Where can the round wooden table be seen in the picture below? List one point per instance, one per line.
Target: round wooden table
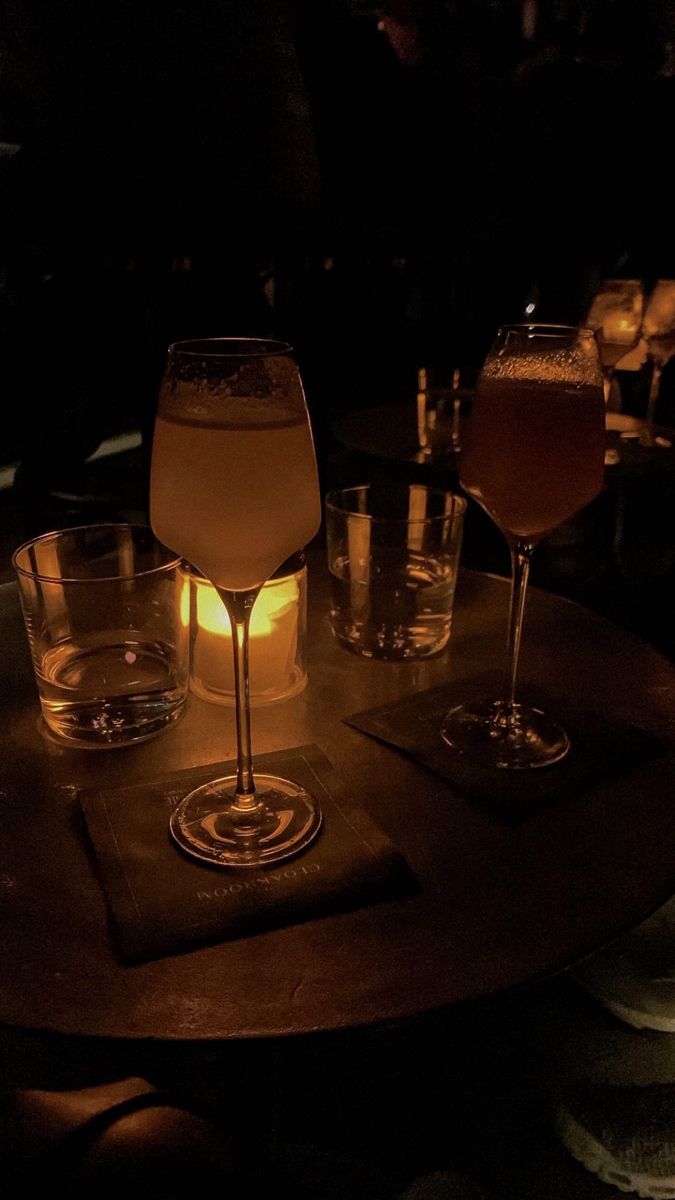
(497, 905)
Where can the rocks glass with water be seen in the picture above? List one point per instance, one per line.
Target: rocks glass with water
(107, 613)
(393, 556)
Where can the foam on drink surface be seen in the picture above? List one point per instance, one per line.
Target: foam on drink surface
(266, 394)
(534, 446)
(575, 365)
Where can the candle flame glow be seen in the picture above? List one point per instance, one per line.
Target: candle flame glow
(273, 602)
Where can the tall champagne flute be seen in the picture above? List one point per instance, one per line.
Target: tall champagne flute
(533, 455)
(615, 316)
(234, 490)
(658, 330)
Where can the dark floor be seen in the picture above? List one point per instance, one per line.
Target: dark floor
(359, 1115)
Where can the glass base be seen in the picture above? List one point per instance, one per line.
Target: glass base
(484, 732)
(651, 439)
(207, 825)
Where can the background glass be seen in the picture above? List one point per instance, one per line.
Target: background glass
(440, 398)
(393, 556)
(107, 613)
(615, 316)
(533, 456)
(659, 334)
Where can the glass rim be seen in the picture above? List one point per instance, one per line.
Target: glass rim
(551, 329)
(217, 347)
(459, 504)
(53, 534)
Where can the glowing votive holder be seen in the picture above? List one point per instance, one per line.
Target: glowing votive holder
(276, 638)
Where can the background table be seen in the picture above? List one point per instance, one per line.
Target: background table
(497, 905)
(390, 433)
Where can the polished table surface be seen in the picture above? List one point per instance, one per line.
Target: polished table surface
(497, 905)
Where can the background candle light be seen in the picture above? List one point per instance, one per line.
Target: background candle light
(276, 639)
(620, 327)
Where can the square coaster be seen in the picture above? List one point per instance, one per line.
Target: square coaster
(162, 902)
(601, 747)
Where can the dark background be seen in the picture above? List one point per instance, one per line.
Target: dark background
(382, 185)
(400, 190)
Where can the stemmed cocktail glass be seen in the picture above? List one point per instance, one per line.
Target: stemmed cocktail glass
(658, 330)
(533, 455)
(615, 316)
(234, 490)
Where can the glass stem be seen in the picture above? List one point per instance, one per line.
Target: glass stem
(654, 386)
(607, 377)
(239, 605)
(521, 553)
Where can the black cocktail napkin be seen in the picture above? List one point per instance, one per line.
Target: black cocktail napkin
(161, 901)
(601, 747)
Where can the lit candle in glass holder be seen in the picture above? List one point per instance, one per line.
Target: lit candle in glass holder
(620, 328)
(276, 639)
(616, 316)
